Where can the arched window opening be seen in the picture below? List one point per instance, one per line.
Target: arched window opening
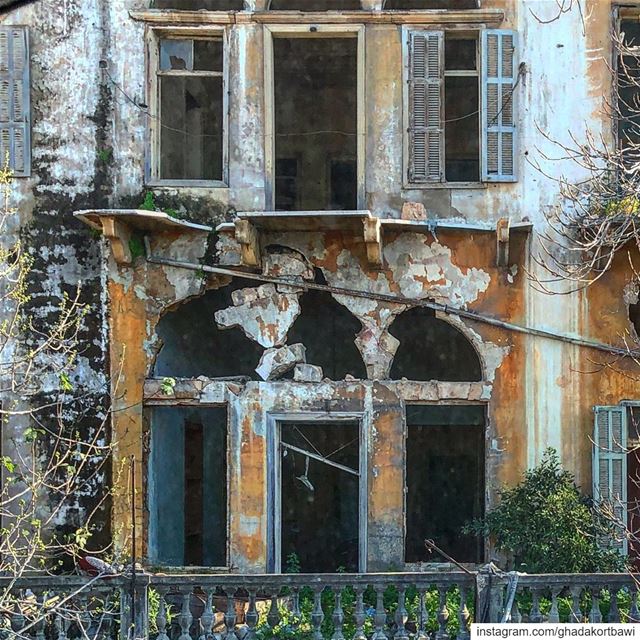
(193, 345)
(196, 5)
(410, 5)
(432, 349)
(328, 330)
(315, 5)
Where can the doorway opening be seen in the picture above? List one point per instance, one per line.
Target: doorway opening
(320, 494)
(316, 122)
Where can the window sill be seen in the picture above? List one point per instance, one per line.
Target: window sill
(445, 185)
(190, 184)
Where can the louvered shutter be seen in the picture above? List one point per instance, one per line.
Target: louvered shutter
(499, 74)
(610, 466)
(426, 88)
(14, 99)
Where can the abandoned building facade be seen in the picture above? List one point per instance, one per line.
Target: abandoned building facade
(307, 230)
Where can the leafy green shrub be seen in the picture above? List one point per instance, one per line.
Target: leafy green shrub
(545, 525)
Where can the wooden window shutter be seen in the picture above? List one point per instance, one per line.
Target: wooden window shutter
(610, 466)
(15, 111)
(499, 76)
(426, 92)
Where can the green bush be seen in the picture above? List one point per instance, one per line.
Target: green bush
(545, 525)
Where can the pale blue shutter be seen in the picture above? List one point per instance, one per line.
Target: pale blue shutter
(426, 88)
(15, 131)
(610, 466)
(499, 75)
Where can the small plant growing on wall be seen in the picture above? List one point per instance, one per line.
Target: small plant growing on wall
(545, 525)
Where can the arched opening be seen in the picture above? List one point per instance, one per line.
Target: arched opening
(432, 349)
(410, 5)
(314, 5)
(196, 5)
(193, 345)
(328, 330)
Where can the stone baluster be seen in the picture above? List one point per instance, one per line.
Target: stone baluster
(338, 617)
(576, 613)
(273, 617)
(443, 615)
(634, 613)
(185, 618)
(18, 620)
(380, 617)
(595, 614)
(423, 616)
(554, 614)
(84, 618)
(614, 612)
(208, 617)
(295, 608)
(105, 623)
(317, 615)
(230, 614)
(401, 616)
(463, 615)
(61, 626)
(536, 615)
(161, 617)
(516, 616)
(359, 615)
(251, 617)
(40, 627)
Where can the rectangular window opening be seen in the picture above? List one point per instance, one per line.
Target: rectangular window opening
(444, 480)
(320, 499)
(315, 102)
(188, 486)
(629, 92)
(461, 110)
(191, 89)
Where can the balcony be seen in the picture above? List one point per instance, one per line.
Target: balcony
(439, 605)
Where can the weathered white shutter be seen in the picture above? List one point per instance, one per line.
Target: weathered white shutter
(15, 131)
(610, 465)
(426, 90)
(499, 75)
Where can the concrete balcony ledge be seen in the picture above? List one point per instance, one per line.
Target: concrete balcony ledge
(117, 225)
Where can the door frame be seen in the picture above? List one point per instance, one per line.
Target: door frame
(311, 30)
(274, 472)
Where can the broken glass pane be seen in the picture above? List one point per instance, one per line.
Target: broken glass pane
(176, 55)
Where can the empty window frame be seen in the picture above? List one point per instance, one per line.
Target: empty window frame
(460, 107)
(445, 483)
(315, 114)
(189, 132)
(188, 486)
(15, 112)
(628, 90)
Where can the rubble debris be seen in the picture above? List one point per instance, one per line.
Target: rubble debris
(276, 362)
(307, 373)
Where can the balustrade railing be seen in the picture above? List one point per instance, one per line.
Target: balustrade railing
(376, 606)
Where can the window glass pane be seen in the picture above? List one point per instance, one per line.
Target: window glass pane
(459, 54)
(207, 55)
(315, 5)
(410, 5)
(191, 132)
(176, 55)
(462, 144)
